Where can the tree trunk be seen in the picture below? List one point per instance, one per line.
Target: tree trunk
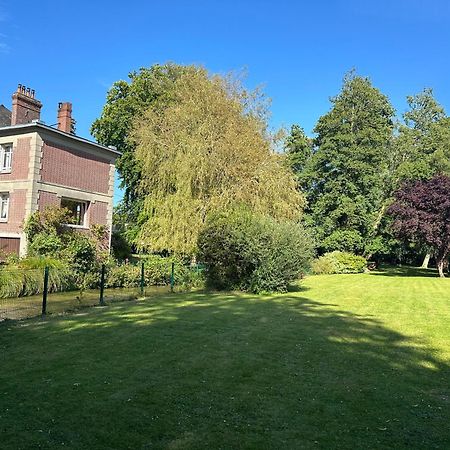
(440, 266)
(426, 261)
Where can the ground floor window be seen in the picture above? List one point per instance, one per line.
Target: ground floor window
(4, 206)
(77, 209)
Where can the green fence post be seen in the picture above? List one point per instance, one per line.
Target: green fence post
(44, 293)
(142, 278)
(102, 285)
(172, 277)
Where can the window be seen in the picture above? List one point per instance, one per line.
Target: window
(5, 157)
(78, 211)
(4, 206)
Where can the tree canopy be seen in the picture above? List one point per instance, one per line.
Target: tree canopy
(206, 150)
(346, 173)
(125, 101)
(423, 142)
(421, 212)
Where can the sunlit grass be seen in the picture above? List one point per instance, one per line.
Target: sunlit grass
(351, 361)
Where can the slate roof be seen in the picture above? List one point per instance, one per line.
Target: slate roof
(5, 116)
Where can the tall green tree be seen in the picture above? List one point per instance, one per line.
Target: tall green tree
(125, 102)
(298, 148)
(423, 141)
(348, 170)
(206, 151)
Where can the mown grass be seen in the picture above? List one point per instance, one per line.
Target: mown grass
(343, 361)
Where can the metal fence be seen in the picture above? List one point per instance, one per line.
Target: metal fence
(45, 301)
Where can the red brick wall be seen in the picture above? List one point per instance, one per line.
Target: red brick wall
(47, 199)
(98, 213)
(16, 212)
(73, 168)
(20, 161)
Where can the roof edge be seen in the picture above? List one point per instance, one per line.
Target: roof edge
(40, 125)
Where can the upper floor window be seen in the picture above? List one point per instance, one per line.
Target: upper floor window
(5, 157)
(77, 209)
(4, 206)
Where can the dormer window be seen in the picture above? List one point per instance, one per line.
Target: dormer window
(5, 157)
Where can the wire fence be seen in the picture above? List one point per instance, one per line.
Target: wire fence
(27, 293)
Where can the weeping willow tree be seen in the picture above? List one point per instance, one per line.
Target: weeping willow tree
(206, 151)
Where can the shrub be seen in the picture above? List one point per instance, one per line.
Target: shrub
(323, 265)
(157, 272)
(120, 247)
(339, 262)
(253, 253)
(49, 236)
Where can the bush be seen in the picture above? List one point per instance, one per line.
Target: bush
(339, 262)
(120, 247)
(157, 272)
(253, 253)
(49, 236)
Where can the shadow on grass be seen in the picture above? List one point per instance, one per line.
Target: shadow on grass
(405, 271)
(210, 370)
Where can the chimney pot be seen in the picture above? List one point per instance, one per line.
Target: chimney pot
(25, 108)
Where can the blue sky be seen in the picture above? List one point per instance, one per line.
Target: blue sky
(73, 51)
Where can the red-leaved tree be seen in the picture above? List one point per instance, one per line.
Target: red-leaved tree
(421, 213)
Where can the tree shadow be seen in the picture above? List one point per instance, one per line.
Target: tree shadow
(215, 370)
(405, 271)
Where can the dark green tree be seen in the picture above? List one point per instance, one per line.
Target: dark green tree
(423, 141)
(298, 148)
(348, 171)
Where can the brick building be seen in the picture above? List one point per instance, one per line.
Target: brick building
(42, 165)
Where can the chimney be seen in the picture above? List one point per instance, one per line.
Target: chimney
(65, 121)
(25, 107)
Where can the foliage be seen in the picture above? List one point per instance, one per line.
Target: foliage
(339, 262)
(423, 143)
(48, 235)
(157, 272)
(299, 149)
(207, 151)
(323, 265)
(26, 277)
(344, 240)
(120, 248)
(345, 177)
(252, 252)
(421, 213)
(125, 101)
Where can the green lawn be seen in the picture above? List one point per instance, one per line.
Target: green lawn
(344, 361)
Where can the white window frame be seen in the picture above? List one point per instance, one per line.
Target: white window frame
(4, 150)
(85, 206)
(4, 206)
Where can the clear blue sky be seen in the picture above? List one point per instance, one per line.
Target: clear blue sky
(299, 50)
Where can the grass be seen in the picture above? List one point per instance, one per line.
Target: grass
(343, 361)
(69, 301)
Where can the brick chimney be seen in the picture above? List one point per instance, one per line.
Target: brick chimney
(65, 121)
(25, 107)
